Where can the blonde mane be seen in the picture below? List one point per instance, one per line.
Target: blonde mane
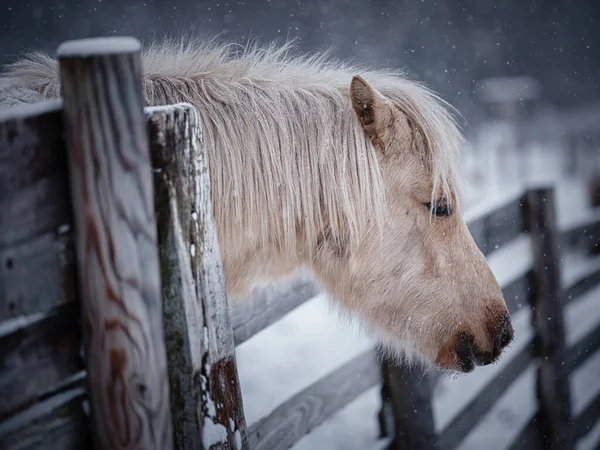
(286, 151)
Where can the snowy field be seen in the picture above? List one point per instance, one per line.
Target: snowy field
(312, 341)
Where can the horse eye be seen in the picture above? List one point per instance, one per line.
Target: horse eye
(440, 210)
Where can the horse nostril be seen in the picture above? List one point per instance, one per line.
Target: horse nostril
(505, 333)
(465, 350)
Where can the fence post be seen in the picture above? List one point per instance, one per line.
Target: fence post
(206, 398)
(594, 190)
(594, 200)
(553, 394)
(116, 243)
(406, 406)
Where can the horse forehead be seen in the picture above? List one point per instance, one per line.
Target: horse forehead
(406, 173)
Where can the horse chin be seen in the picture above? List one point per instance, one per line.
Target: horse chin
(464, 356)
(402, 351)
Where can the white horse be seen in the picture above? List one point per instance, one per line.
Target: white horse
(347, 171)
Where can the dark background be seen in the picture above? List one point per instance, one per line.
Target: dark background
(449, 44)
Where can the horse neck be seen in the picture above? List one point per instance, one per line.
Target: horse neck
(288, 166)
(279, 179)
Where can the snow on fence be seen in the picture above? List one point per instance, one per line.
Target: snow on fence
(114, 325)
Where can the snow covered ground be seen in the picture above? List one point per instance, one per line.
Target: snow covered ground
(311, 341)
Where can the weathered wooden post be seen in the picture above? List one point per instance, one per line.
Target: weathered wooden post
(206, 399)
(594, 190)
(553, 394)
(406, 413)
(116, 243)
(594, 201)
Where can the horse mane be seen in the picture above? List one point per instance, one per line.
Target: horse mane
(292, 156)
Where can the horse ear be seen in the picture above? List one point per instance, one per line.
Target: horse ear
(372, 108)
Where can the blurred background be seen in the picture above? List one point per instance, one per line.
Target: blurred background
(524, 77)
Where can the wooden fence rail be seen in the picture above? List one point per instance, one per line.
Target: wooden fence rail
(107, 234)
(42, 399)
(292, 420)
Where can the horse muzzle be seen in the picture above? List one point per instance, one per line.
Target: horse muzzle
(463, 353)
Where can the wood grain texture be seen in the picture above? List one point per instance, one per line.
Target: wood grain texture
(206, 398)
(296, 417)
(552, 379)
(40, 331)
(36, 255)
(406, 396)
(37, 357)
(58, 423)
(116, 248)
(37, 275)
(473, 411)
(34, 192)
(267, 306)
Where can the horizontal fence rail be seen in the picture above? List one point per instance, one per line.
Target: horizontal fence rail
(584, 348)
(587, 419)
(54, 423)
(584, 234)
(40, 334)
(296, 417)
(252, 315)
(584, 283)
(496, 228)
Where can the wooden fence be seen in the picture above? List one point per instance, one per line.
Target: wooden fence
(114, 324)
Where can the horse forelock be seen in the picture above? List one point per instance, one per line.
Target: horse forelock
(279, 127)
